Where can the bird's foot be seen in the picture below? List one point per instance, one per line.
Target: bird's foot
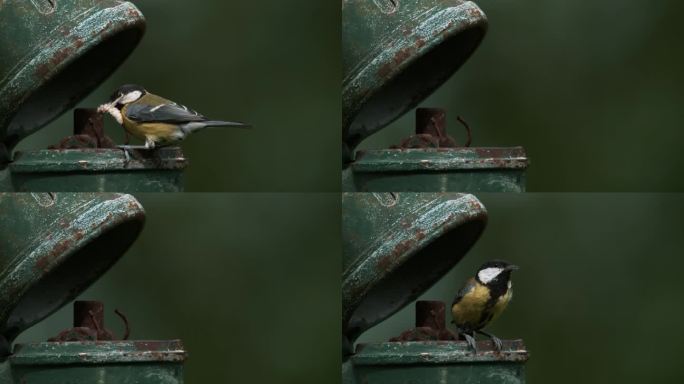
(471, 341)
(498, 344)
(127, 148)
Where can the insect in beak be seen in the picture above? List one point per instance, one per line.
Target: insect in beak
(512, 268)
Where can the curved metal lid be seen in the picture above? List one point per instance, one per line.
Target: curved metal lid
(396, 246)
(53, 53)
(396, 53)
(54, 246)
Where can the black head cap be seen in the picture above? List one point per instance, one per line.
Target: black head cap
(496, 279)
(126, 88)
(497, 264)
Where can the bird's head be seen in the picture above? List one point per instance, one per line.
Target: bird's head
(495, 272)
(125, 94)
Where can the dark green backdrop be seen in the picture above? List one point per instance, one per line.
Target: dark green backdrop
(592, 89)
(250, 282)
(598, 295)
(275, 65)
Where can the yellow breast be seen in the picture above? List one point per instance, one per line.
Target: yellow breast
(476, 309)
(501, 304)
(468, 312)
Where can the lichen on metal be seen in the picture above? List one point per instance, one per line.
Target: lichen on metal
(393, 59)
(396, 245)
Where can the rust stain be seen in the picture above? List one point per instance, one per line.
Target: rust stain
(45, 261)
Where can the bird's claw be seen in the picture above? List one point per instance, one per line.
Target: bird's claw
(125, 149)
(497, 343)
(471, 341)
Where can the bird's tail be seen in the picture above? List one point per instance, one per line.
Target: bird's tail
(219, 123)
(197, 125)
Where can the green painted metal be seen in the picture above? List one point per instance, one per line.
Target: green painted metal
(476, 169)
(115, 362)
(396, 53)
(53, 53)
(436, 362)
(76, 170)
(54, 245)
(397, 245)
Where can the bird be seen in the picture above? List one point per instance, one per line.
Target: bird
(154, 119)
(482, 299)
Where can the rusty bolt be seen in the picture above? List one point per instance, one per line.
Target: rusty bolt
(431, 121)
(88, 122)
(89, 314)
(430, 314)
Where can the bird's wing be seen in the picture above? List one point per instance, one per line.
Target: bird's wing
(162, 113)
(469, 286)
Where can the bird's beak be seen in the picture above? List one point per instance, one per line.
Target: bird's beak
(512, 268)
(107, 106)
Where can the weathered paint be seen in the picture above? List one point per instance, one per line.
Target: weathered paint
(53, 53)
(396, 53)
(107, 362)
(436, 362)
(477, 169)
(54, 245)
(97, 169)
(396, 245)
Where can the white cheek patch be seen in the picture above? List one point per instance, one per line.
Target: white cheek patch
(131, 97)
(488, 274)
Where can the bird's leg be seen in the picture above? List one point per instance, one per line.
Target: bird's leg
(497, 342)
(126, 148)
(470, 340)
(128, 138)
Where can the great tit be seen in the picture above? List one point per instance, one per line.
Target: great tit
(154, 119)
(482, 299)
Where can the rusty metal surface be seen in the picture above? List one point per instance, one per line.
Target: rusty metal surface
(430, 324)
(396, 53)
(88, 132)
(396, 245)
(54, 246)
(428, 362)
(53, 53)
(96, 169)
(105, 362)
(431, 131)
(98, 352)
(89, 324)
(436, 352)
(475, 169)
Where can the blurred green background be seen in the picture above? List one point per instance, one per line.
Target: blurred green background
(275, 66)
(592, 89)
(249, 282)
(598, 295)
